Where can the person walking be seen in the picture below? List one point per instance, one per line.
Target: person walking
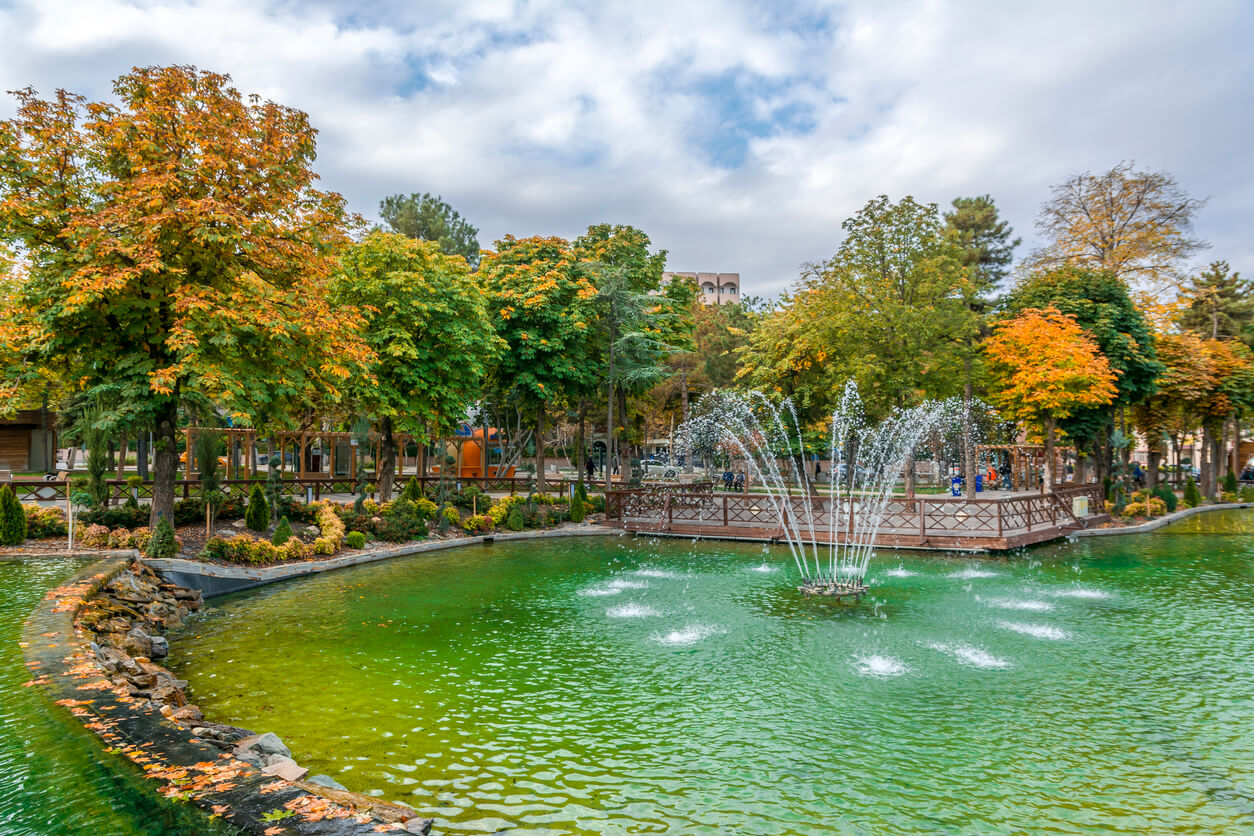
(589, 466)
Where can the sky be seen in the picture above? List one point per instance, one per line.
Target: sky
(737, 135)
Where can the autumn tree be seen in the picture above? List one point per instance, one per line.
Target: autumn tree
(1135, 225)
(425, 318)
(1044, 366)
(541, 299)
(427, 217)
(174, 242)
(1174, 408)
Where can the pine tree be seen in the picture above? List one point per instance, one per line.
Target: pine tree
(12, 519)
(1192, 496)
(1230, 482)
(283, 533)
(577, 504)
(162, 544)
(257, 515)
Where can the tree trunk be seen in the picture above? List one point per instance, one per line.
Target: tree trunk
(580, 440)
(683, 400)
(141, 456)
(1217, 460)
(540, 483)
(609, 413)
(121, 471)
(165, 460)
(1151, 476)
(387, 459)
(1204, 468)
(1048, 475)
(968, 436)
(910, 477)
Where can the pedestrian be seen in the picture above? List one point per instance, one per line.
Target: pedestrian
(589, 466)
(818, 468)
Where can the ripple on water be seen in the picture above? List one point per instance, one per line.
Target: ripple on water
(1080, 592)
(1017, 604)
(899, 572)
(974, 656)
(764, 569)
(690, 634)
(1036, 631)
(614, 587)
(653, 572)
(632, 610)
(883, 666)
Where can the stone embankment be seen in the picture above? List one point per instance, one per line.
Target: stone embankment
(115, 614)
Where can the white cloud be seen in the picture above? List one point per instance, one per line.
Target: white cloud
(544, 117)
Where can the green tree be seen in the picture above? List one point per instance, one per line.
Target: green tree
(426, 319)
(1219, 304)
(12, 519)
(174, 243)
(257, 514)
(1101, 305)
(427, 217)
(541, 299)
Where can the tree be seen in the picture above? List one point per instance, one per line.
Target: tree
(257, 514)
(174, 242)
(428, 218)
(1173, 409)
(1044, 366)
(542, 300)
(12, 519)
(1102, 306)
(1135, 225)
(426, 320)
(1219, 303)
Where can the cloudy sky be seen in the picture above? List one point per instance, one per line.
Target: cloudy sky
(738, 135)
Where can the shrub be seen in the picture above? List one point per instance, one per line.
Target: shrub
(355, 540)
(163, 543)
(1228, 496)
(514, 522)
(140, 538)
(44, 522)
(12, 519)
(1139, 496)
(330, 526)
(1134, 509)
(257, 517)
(1247, 493)
(579, 504)
(598, 503)
(294, 549)
(450, 515)
(215, 549)
(481, 523)
(325, 546)
(426, 509)
(94, 537)
(1168, 496)
(120, 538)
(1230, 482)
(1155, 507)
(297, 511)
(1192, 496)
(127, 516)
(413, 490)
(283, 533)
(501, 510)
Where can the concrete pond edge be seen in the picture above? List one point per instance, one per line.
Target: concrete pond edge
(1160, 522)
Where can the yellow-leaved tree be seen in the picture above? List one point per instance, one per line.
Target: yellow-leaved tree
(1044, 366)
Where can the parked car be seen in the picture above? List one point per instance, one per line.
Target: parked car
(655, 468)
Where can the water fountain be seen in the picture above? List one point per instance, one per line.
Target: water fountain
(847, 504)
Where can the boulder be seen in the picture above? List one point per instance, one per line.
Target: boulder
(265, 744)
(187, 714)
(285, 768)
(326, 781)
(417, 825)
(137, 643)
(249, 756)
(160, 647)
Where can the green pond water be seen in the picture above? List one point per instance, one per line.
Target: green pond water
(54, 779)
(623, 685)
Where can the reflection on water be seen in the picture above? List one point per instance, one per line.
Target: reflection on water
(607, 686)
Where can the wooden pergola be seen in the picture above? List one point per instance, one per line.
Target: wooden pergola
(1026, 461)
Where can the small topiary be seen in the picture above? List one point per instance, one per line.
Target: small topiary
(514, 522)
(355, 540)
(162, 544)
(413, 490)
(1168, 497)
(12, 519)
(577, 504)
(283, 533)
(450, 515)
(1192, 496)
(257, 516)
(1230, 482)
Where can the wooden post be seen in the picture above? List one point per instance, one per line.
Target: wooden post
(724, 508)
(999, 512)
(922, 521)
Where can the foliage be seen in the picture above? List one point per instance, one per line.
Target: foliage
(984, 239)
(206, 453)
(1246, 493)
(124, 517)
(140, 538)
(1192, 496)
(247, 550)
(331, 528)
(257, 517)
(163, 543)
(514, 522)
(428, 218)
(1218, 303)
(481, 523)
(1230, 482)
(1167, 496)
(578, 505)
(283, 533)
(94, 537)
(450, 515)
(471, 498)
(195, 260)
(413, 490)
(1135, 225)
(12, 519)
(1134, 509)
(44, 522)
(355, 540)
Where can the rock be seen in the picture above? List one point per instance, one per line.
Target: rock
(187, 714)
(167, 712)
(327, 781)
(200, 731)
(265, 744)
(248, 756)
(417, 825)
(184, 594)
(287, 769)
(169, 694)
(314, 531)
(137, 643)
(237, 524)
(224, 732)
(160, 647)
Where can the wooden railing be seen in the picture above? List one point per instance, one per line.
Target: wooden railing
(666, 508)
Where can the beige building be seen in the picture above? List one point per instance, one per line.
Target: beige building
(714, 288)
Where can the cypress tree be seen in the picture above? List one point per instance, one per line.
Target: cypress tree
(1192, 496)
(162, 543)
(12, 519)
(257, 515)
(283, 533)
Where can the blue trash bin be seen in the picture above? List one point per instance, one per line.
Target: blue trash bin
(955, 486)
(979, 482)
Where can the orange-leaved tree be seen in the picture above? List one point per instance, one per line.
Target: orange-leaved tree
(1043, 366)
(173, 244)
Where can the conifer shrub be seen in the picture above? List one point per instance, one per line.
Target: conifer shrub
(355, 540)
(257, 516)
(514, 522)
(283, 533)
(163, 543)
(413, 490)
(1168, 497)
(1192, 496)
(12, 519)
(1230, 482)
(578, 504)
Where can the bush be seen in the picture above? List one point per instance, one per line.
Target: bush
(297, 511)
(94, 537)
(124, 517)
(413, 490)
(514, 522)
(330, 526)
(1228, 496)
(579, 504)
(1139, 496)
(479, 523)
(12, 519)
(1230, 482)
(44, 522)
(120, 538)
(257, 517)
(1247, 493)
(1134, 509)
(1155, 506)
(471, 498)
(355, 540)
(598, 503)
(1168, 497)
(450, 515)
(1192, 496)
(283, 533)
(163, 543)
(140, 538)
